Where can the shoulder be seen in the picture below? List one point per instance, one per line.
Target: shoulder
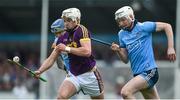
(83, 31)
(63, 36)
(146, 23)
(121, 32)
(83, 28)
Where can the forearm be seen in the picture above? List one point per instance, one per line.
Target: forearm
(81, 51)
(49, 61)
(169, 34)
(123, 55)
(46, 65)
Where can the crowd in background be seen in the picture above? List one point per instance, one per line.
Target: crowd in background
(13, 78)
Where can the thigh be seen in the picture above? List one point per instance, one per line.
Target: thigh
(67, 89)
(135, 84)
(91, 84)
(151, 76)
(150, 93)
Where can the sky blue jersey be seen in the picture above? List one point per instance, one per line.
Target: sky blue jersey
(65, 58)
(138, 43)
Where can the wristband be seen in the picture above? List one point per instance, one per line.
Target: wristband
(67, 49)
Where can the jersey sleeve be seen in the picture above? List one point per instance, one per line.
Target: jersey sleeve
(85, 34)
(121, 43)
(149, 26)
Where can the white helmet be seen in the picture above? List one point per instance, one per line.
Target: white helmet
(124, 12)
(72, 13)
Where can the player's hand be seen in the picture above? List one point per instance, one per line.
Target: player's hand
(171, 54)
(37, 74)
(114, 47)
(61, 47)
(53, 45)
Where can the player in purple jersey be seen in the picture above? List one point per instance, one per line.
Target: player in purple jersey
(75, 39)
(83, 75)
(135, 40)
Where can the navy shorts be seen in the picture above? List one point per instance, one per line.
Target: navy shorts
(151, 76)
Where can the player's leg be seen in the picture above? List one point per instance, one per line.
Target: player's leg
(130, 88)
(98, 86)
(151, 77)
(143, 81)
(91, 84)
(150, 93)
(68, 88)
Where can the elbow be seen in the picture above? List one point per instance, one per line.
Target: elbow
(168, 26)
(87, 53)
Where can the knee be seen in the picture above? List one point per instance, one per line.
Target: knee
(125, 93)
(62, 95)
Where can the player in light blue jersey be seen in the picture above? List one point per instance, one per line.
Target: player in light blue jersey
(135, 45)
(57, 28)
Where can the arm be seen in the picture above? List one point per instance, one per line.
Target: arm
(49, 61)
(122, 52)
(168, 30)
(160, 26)
(84, 50)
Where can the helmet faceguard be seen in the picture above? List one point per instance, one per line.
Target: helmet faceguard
(73, 13)
(57, 26)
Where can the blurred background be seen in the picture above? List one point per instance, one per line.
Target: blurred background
(25, 32)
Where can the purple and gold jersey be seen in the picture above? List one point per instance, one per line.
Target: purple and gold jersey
(78, 64)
